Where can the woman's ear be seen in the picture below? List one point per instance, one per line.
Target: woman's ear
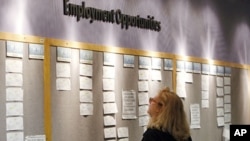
(159, 109)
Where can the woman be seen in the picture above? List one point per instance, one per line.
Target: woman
(167, 118)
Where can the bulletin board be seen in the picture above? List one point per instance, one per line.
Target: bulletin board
(211, 125)
(2, 92)
(209, 129)
(55, 111)
(29, 103)
(68, 124)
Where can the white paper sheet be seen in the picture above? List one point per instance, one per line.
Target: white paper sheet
(63, 69)
(204, 95)
(36, 51)
(227, 99)
(63, 84)
(144, 62)
(129, 61)
(226, 132)
(213, 69)
(220, 121)
(14, 94)
(156, 63)
(220, 71)
(14, 79)
(180, 66)
(110, 108)
(227, 108)
(168, 64)
(108, 96)
(197, 67)
(181, 76)
(108, 72)
(156, 75)
(189, 77)
(110, 140)
(122, 132)
(227, 117)
(181, 86)
(109, 120)
(15, 136)
(14, 109)
(128, 104)
(35, 138)
(14, 65)
(85, 83)
(220, 111)
(123, 139)
(64, 54)
(227, 89)
(15, 49)
(205, 68)
(143, 120)
(204, 82)
(86, 109)
(86, 70)
(188, 66)
(195, 116)
(143, 98)
(143, 86)
(205, 103)
(86, 56)
(108, 84)
(14, 123)
(143, 74)
(219, 102)
(227, 81)
(143, 110)
(109, 59)
(219, 81)
(181, 89)
(220, 91)
(86, 96)
(110, 132)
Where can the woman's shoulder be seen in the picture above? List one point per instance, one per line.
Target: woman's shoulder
(189, 139)
(158, 135)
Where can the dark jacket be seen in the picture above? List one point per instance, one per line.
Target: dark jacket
(157, 135)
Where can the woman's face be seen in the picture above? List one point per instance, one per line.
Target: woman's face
(154, 106)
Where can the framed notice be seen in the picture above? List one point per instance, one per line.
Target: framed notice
(220, 70)
(86, 56)
(227, 71)
(36, 51)
(205, 68)
(189, 66)
(129, 61)
(168, 64)
(144, 62)
(197, 67)
(14, 49)
(63, 54)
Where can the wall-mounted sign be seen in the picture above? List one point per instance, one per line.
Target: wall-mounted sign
(112, 16)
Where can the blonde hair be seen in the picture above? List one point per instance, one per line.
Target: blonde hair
(172, 119)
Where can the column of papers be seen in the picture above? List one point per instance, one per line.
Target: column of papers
(14, 91)
(85, 81)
